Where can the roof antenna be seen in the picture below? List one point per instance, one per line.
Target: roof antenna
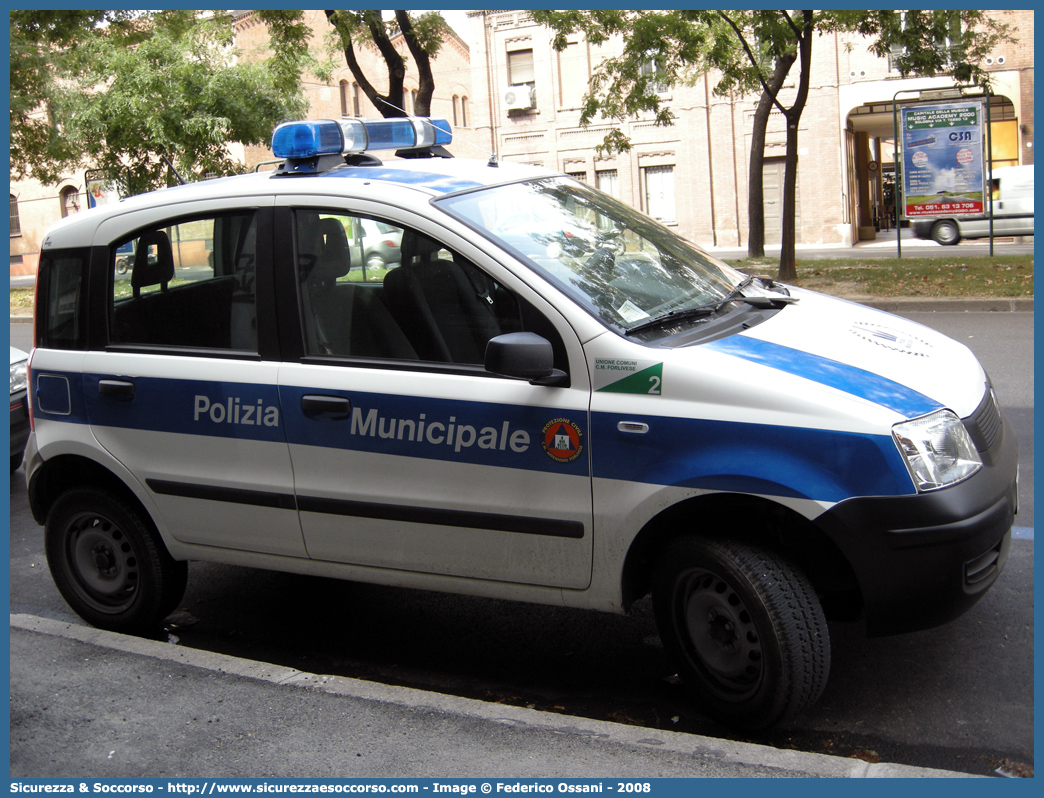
(181, 180)
(492, 155)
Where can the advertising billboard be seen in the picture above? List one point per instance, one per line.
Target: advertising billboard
(943, 172)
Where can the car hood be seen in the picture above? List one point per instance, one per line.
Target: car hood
(891, 361)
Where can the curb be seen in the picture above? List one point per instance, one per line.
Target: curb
(946, 305)
(634, 737)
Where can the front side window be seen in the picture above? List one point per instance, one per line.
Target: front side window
(372, 289)
(620, 265)
(187, 284)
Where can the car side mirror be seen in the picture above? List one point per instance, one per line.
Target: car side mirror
(524, 356)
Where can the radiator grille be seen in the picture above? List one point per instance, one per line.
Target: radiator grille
(984, 425)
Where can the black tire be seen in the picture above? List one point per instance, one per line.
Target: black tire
(946, 232)
(16, 460)
(375, 262)
(109, 562)
(745, 629)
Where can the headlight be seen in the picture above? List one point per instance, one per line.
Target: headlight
(937, 449)
(18, 371)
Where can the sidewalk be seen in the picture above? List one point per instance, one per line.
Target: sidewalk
(88, 703)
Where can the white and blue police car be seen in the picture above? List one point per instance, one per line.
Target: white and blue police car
(549, 397)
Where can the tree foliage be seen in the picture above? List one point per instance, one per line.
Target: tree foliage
(423, 34)
(753, 51)
(123, 91)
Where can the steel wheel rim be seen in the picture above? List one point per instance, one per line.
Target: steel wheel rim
(947, 231)
(102, 562)
(723, 643)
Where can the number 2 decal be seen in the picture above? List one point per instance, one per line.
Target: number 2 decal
(654, 385)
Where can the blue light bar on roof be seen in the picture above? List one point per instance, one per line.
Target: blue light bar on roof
(307, 139)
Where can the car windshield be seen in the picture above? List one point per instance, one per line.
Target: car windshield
(625, 268)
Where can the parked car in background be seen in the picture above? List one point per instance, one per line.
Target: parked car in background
(381, 244)
(1012, 196)
(19, 410)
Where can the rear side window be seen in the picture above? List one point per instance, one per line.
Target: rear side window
(188, 284)
(62, 299)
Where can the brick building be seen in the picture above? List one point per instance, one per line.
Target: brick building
(34, 206)
(693, 175)
(506, 91)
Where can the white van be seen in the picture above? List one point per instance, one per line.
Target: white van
(1012, 195)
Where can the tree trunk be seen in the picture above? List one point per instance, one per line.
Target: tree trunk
(392, 103)
(426, 87)
(787, 253)
(755, 178)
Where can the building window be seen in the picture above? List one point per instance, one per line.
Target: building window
(456, 104)
(581, 176)
(573, 75)
(343, 86)
(70, 199)
(652, 70)
(608, 181)
(16, 225)
(659, 192)
(355, 100)
(413, 100)
(520, 67)
(463, 111)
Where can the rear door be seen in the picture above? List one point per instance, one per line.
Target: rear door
(180, 392)
(408, 455)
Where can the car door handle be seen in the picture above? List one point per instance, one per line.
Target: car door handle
(326, 408)
(120, 390)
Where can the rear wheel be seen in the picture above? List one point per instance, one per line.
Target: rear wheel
(744, 628)
(109, 563)
(946, 232)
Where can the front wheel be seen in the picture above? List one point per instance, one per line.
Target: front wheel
(109, 563)
(744, 628)
(946, 232)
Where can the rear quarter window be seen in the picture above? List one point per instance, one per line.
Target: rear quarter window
(61, 310)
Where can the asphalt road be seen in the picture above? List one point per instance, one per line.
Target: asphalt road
(959, 697)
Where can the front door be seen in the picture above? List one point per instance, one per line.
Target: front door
(407, 455)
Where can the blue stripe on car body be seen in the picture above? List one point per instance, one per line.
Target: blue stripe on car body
(796, 462)
(850, 379)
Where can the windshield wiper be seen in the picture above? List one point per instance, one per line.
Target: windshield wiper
(708, 309)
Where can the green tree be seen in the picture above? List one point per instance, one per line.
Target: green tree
(423, 35)
(752, 51)
(128, 91)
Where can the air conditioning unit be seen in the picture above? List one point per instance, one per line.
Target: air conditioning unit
(518, 98)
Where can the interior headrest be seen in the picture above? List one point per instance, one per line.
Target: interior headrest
(335, 258)
(415, 245)
(153, 260)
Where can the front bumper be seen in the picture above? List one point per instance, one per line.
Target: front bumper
(19, 423)
(925, 559)
(922, 228)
